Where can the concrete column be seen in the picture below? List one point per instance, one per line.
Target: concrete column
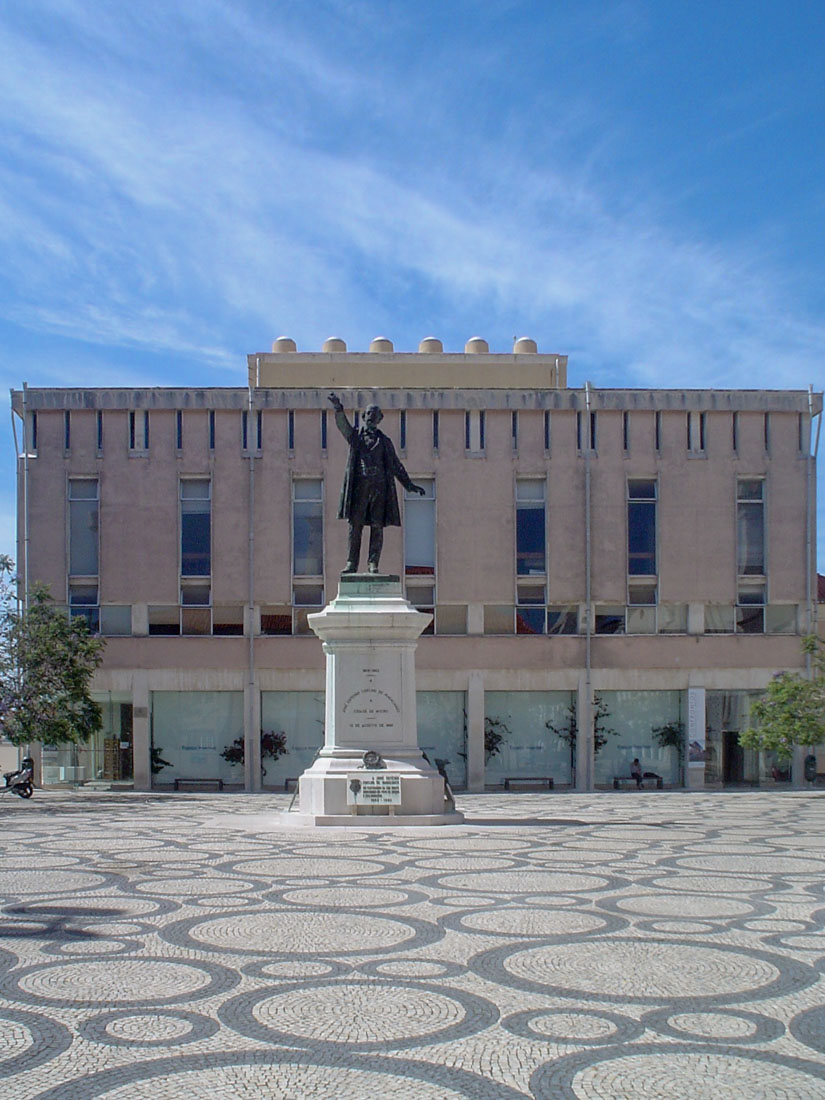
(140, 618)
(141, 732)
(252, 737)
(584, 736)
(696, 726)
(475, 618)
(475, 732)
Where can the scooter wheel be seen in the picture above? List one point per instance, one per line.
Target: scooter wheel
(26, 790)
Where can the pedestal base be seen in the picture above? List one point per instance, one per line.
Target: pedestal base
(371, 770)
(369, 821)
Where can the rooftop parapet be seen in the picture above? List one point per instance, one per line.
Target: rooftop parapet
(427, 369)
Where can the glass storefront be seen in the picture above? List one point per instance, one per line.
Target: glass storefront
(190, 730)
(441, 733)
(528, 747)
(634, 715)
(106, 757)
(727, 763)
(299, 715)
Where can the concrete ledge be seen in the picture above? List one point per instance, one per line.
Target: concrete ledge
(370, 821)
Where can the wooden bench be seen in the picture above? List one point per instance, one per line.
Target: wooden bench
(531, 780)
(216, 783)
(292, 780)
(618, 780)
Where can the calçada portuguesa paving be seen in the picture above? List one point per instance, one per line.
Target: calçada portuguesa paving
(640, 944)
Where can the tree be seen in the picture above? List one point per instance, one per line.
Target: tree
(273, 745)
(568, 732)
(792, 710)
(47, 661)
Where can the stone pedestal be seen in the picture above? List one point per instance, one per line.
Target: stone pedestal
(370, 633)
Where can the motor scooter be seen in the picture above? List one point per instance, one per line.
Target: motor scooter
(20, 782)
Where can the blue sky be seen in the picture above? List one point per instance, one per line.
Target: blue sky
(639, 184)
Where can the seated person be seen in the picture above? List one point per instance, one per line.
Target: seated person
(636, 773)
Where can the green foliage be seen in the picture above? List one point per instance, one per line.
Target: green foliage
(792, 710)
(273, 745)
(601, 731)
(158, 763)
(671, 735)
(495, 731)
(47, 661)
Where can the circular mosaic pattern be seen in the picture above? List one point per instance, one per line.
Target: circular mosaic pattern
(28, 1040)
(722, 1025)
(291, 932)
(753, 864)
(525, 882)
(533, 922)
(673, 905)
(147, 1029)
(709, 884)
(354, 896)
(809, 1028)
(644, 971)
(25, 882)
(281, 1075)
(308, 867)
(358, 1014)
(679, 1074)
(194, 886)
(580, 1026)
(136, 982)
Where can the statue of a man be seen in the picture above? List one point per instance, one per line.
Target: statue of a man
(368, 494)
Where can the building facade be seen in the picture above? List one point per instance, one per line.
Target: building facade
(613, 575)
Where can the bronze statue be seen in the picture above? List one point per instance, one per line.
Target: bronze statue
(368, 493)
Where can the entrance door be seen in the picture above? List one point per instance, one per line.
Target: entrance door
(733, 758)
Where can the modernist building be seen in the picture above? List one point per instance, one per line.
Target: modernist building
(630, 559)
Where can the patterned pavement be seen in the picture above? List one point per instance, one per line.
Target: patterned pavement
(640, 944)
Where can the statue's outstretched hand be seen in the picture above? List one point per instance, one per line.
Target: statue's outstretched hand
(418, 489)
(335, 400)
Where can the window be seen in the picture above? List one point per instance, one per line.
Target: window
(547, 430)
(83, 527)
(211, 429)
(734, 429)
(750, 609)
(766, 431)
(474, 431)
(83, 605)
(323, 429)
(800, 432)
(750, 527)
(609, 619)
(139, 430)
(514, 428)
(563, 619)
(164, 620)
(419, 530)
(31, 442)
(422, 597)
(67, 430)
(248, 427)
(435, 430)
(179, 430)
(626, 431)
(116, 619)
(99, 431)
(530, 527)
(307, 527)
(259, 428)
(290, 431)
(657, 431)
(531, 614)
(586, 423)
(641, 527)
(696, 428)
(306, 599)
(402, 430)
(195, 527)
